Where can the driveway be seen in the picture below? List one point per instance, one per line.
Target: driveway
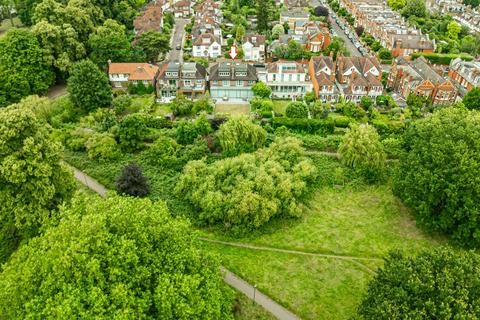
(177, 40)
(340, 33)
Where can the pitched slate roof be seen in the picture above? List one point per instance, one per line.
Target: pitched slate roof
(232, 69)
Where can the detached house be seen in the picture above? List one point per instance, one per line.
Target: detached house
(175, 78)
(418, 77)
(254, 48)
(288, 79)
(121, 74)
(292, 16)
(182, 9)
(359, 77)
(232, 80)
(206, 45)
(465, 74)
(322, 74)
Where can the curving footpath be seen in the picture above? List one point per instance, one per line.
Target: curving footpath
(233, 280)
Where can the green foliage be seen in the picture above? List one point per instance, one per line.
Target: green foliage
(393, 147)
(415, 8)
(362, 151)
(115, 257)
(33, 183)
(102, 146)
(472, 99)
(336, 47)
(261, 90)
(354, 111)
(343, 121)
(132, 182)
(153, 43)
(186, 131)
(310, 97)
(109, 42)
(23, 70)
(297, 110)
(437, 176)
(181, 106)
(436, 284)
(240, 134)
(397, 4)
(250, 189)
(121, 104)
(202, 105)
(89, 87)
(319, 126)
(132, 132)
(262, 105)
(441, 58)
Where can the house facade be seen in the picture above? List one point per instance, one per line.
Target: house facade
(293, 16)
(418, 77)
(206, 45)
(465, 74)
(359, 77)
(188, 79)
(232, 81)
(121, 74)
(182, 9)
(322, 74)
(287, 79)
(254, 48)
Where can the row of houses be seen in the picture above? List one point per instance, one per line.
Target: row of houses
(388, 27)
(463, 14)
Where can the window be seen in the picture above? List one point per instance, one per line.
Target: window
(226, 83)
(118, 84)
(274, 77)
(187, 83)
(224, 74)
(239, 83)
(251, 82)
(215, 82)
(145, 82)
(215, 48)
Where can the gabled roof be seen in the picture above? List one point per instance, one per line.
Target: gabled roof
(232, 69)
(320, 62)
(255, 39)
(205, 39)
(136, 71)
(187, 67)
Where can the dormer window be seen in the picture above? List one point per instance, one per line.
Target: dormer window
(224, 74)
(241, 74)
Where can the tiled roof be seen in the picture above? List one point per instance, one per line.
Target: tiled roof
(136, 71)
(255, 39)
(205, 39)
(150, 19)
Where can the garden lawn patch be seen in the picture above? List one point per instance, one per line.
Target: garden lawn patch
(232, 109)
(246, 309)
(311, 287)
(279, 106)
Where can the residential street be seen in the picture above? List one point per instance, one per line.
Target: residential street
(339, 32)
(177, 39)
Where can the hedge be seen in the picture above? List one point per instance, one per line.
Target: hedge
(326, 126)
(387, 128)
(441, 58)
(343, 121)
(329, 143)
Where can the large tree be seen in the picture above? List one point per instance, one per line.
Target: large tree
(33, 183)
(109, 42)
(416, 8)
(437, 284)
(89, 87)
(438, 175)
(112, 258)
(240, 134)
(362, 151)
(265, 14)
(153, 43)
(23, 70)
(250, 189)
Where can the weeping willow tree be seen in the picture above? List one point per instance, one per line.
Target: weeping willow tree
(240, 134)
(362, 151)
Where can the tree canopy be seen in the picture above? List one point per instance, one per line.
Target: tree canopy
(472, 99)
(250, 189)
(118, 257)
(436, 284)
(240, 134)
(89, 87)
(438, 173)
(296, 110)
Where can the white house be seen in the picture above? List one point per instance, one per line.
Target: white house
(254, 48)
(288, 79)
(206, 45)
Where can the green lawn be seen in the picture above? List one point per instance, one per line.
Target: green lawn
(246, 309)
(311, 287)
(232, 109)
(367, 222)
(279, 106)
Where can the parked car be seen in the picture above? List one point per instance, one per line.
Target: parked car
(178, 47)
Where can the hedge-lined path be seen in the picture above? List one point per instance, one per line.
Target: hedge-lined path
(233, 280)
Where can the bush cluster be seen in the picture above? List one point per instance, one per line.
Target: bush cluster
(319, 126)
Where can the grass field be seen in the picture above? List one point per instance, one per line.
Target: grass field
(347, 222)
(311, 287)
(246, 309)
(232, 109)
(279, 106)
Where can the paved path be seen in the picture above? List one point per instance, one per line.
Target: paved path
(89, 182)
(353, 259)
(254, 294)
(57, 90)
(230, 278)
(178, 35)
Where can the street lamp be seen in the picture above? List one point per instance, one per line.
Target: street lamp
(254, 290)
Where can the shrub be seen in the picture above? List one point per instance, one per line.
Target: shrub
(181, 106)
(441, 58)
(250, 189)
(202, 105)
(362, 151)
(132, 182)
(186, 131)
(240, 134)
(329, 143)
(297, 110)
(261, 90)
(436, 284)
(132, 131)
(393, 147)
(438, 173)
(318, 126)
(163, 153)
(102, 146)
(389, 127)
(77, 139)
(343, 121)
